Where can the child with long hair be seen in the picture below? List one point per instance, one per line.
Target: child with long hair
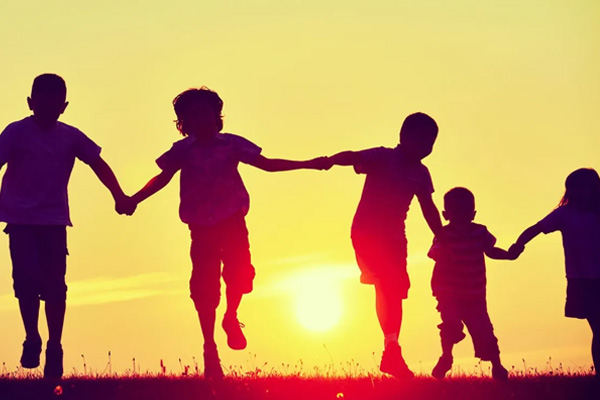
(577, 217)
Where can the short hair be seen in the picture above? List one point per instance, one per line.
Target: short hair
(459, 200)
(182, 102)
(49, 85)
(419, 124)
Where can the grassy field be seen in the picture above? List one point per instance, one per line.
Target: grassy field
(155, 387)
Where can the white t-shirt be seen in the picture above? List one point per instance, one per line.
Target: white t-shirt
(581, 240)
(39, 165)
(211, 188)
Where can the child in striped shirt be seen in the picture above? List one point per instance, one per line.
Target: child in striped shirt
(459, 282)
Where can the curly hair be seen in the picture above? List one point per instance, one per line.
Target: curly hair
(202, 95)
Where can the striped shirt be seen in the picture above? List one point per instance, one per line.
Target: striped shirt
(459, 253)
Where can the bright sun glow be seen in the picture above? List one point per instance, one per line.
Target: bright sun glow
(318, 303)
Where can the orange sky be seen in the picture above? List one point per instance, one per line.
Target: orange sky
(513, 86)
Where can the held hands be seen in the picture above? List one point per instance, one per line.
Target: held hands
(515, 251)
(125, 205)
(322, 163)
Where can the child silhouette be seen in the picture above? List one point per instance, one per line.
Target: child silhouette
(577, 217)
(459, 282)
(214, 203)
(40, 152)
(393, 178)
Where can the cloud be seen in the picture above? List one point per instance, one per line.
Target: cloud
(105, 290)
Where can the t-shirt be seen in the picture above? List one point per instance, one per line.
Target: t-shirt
(460, 260)
(581, 240)
(211, 188)
(390, 185)
(39, 164)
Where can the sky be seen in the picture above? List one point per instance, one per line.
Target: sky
(513, 86)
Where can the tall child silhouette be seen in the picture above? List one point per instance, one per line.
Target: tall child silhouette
(577, 217)
(459, 282)
(393, 178)
(40, 153)
(214, 203)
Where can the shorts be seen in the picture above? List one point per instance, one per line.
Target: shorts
(39, 260)
(382, 257)
(456, 312)
(583, 298)
(225, 243)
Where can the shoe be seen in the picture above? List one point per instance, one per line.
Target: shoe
(442, 367)
(30, 358)
(235, 337)
(499, 373)
(392, 362)
(212, 364)
(54, 362)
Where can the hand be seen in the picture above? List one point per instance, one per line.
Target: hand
(125, 205)
(322, 163)
(515, 251)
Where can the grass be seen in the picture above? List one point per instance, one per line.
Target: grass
(345, 381)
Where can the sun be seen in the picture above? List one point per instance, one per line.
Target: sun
(318, 305)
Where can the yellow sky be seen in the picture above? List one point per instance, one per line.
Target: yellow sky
(513, 86)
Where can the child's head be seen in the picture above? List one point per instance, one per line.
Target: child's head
(198, 112)
(582, 190)
(417, 135)
(48, 95)
(459, 205)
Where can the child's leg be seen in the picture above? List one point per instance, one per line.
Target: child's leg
(30, 310)
(388, 304)
(234, 298)
(595, 325)
(55, 317)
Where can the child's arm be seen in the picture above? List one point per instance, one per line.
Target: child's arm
(154, 185)
(497, 253)
(108, 179)
(525, 237)
(276, 165)
(345, 158)
(430, 213)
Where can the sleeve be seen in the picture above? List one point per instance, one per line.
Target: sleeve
(245, 149)
(552, 222)
(172, 159)
(368, 160)
(85, 148)
(424, 183)
(5, 144)
(489, 240)
(435, 251)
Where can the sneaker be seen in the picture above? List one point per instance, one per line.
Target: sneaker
(442, 367)
(54, 362)
(392, 362)
(212, 364)
(30, 358)
(499, 373)
(235, 337)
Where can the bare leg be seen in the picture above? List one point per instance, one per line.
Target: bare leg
(30, 311)
(234, 298)
(595, 325)
(55, 316)
(207, 324)
(388, 305)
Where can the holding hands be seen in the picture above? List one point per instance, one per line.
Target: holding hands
(125, 205)
(322, 163)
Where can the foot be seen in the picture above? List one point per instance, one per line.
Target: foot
(442, 367)
(392, 362)
(30, 358)
(499, 372)
(54, 361)
(212, 364)
(235, 337)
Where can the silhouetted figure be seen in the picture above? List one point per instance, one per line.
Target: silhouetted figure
(577, 217)
(40, 153)
(393, 177)
(459, 282)
(214, 203)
